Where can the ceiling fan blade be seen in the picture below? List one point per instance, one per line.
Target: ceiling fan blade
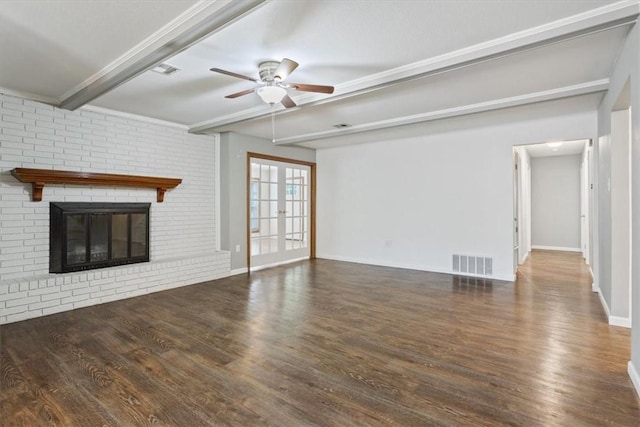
(288, 102)
(237, 94)
(311, 88)
(285, 68)
(232, 74)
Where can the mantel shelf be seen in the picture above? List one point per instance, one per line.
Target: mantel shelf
(38, 178)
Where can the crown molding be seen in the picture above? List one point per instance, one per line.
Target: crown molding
(497, 104)
(197, 22)
(607, 17)
(260, 111)
(30, 96)
(131, 116)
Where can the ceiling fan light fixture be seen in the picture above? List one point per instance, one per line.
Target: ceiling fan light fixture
(271, 94)
(555, 145)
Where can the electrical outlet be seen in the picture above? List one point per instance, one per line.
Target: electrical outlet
(237, 248)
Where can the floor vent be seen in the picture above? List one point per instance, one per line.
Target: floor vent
(467, 264)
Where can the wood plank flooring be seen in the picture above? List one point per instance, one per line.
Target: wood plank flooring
(330, 344)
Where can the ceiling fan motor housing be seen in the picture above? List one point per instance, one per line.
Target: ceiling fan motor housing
(268, 70)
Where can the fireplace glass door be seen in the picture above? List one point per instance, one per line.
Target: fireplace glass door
(76, 239)
(99, 237)
(138, 235)
(85, 236)
(119, 236)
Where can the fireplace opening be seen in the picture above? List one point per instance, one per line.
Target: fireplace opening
(85, 236)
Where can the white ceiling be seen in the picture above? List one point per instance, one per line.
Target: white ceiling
(392, 62)
(49, 47)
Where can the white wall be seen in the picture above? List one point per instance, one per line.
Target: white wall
(182, 238)
(555, 202)
(620, 215)
(626, 69)
(414, 202)
(603, 155)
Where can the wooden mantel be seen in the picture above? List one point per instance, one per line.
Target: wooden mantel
(38, 178)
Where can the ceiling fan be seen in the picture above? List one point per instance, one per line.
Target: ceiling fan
(272, 87)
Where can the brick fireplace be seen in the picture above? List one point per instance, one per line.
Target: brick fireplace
(182, 229)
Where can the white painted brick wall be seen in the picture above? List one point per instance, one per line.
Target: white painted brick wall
(182, 242)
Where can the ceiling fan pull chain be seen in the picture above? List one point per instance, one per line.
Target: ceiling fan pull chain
(273, 125)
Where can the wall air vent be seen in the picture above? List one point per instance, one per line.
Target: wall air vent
(472, 265)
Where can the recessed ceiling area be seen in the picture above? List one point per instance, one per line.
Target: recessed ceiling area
(556, 148)
(391, 63)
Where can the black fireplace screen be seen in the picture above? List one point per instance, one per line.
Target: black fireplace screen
(84, 236)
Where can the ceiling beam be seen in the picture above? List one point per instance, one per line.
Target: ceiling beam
(201, 20)
(596, 86)
(604, 18)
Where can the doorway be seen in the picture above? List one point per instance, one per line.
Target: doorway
(281, 213)
(552, 198)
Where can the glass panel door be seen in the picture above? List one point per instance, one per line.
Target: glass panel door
(296, 215)
(264, 221)
(279, 206)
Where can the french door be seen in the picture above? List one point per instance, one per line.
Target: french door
(279, 211)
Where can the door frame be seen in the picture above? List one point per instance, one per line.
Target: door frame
(516, 210)
(585, 203)
(312, 211)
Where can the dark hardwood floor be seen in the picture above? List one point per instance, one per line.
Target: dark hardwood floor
(330, 343)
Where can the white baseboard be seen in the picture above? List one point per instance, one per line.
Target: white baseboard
(604, 305)
(624, 322)
(524, 258)
(238, 271)
(507, 278)
(556, 248)
(635, 377)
